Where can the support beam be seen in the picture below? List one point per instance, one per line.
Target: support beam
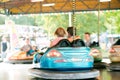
(29, 8)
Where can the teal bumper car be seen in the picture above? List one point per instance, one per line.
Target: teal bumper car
(61, 61)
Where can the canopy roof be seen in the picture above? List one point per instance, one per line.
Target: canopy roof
(27, 7)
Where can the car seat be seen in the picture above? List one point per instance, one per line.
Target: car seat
(94, 44)
(78, 43)
(117, 42)
(63, 43)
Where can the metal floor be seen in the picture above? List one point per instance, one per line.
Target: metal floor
(20, 72)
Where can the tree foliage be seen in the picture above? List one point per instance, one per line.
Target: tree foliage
(2, 20)
(84, 22)
(23, 20)
(113, 20)
(51, 22)
(89, 23)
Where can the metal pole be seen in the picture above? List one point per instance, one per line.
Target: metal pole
(73, 16)
(98, 20)
(70, 19)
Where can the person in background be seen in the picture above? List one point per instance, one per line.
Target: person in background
(4, 47)
(71, 34)
(27, 47)
(87, 39)
(60, 34)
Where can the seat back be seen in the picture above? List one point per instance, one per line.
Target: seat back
(94, 44)
(63, 43)
(78, 43)
(117, 42)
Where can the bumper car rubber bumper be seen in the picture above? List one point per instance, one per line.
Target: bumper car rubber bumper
(114, 66)
(50, 74)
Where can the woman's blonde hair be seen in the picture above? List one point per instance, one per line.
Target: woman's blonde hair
(60, 32)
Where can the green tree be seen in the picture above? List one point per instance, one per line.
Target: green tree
(23, 20)
(88, 22)
(113, 20)
(51, 22)
(2, 19)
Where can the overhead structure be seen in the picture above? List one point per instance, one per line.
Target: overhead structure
(54, 6)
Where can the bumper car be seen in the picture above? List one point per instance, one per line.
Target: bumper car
(65, 62)
(21, 57)
(115, 56)
(97, 55)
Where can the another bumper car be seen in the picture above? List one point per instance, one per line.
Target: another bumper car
(21, 57)
(65, 62)
(115, 56)
(97, 55)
